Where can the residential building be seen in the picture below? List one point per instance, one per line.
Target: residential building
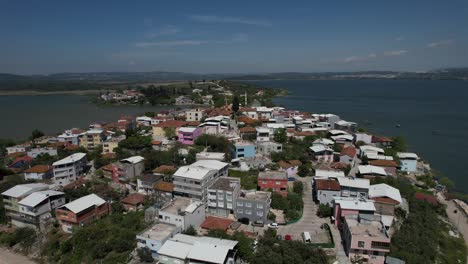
(20, 162)
(189, 249)
(70, 137)
(348, 155)
(326, 190)
(365, 236)
(219, 156)
(343, 206)
(69, 169)
(385, 197)
(38, 172)
(183, 213)
(155, 236)
(354, 187)
(164, 191)
(23, 148)
(263, 134)
(159, 130)
(328, 173)
(290, 167)
(133, 201)
(130, 168)
(193, 180)
(390, 166)
(215, 125)
(222, 195)
(92, 138)
(14, 195)
(196, 114)
(247, 133)
(365, 150)
(370, 171)
(82, 211)
(276, 181)
(408, 161)
(267, 147)
(188, 135)
(254, 205)
(244, 149)
(145, 183)
(109, 145)
(35, 209)
(33, 153)
(322, 153)
(143, 120)
(345, 125)
(363, 137)
(383, 142)
(216, 223)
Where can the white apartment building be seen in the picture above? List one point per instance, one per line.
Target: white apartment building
(183, 213)
(196, 114)
(193, 180)
(69, 169)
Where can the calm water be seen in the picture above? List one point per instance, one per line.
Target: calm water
(433, 114)
(54, 113)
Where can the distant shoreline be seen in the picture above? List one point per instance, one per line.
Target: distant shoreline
(38, 93)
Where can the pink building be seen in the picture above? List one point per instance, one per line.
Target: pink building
(365, 238)
(350, 206)
(188, 135)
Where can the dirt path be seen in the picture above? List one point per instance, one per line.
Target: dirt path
(9, 257)
(458, 219)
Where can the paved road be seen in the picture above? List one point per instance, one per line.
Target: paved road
(9, 257)
(311, 223)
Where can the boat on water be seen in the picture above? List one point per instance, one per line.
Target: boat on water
(397, 125)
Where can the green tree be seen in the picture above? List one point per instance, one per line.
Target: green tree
(36, 133)
(298, 187)
(169, 132)
(191, 231)
(145, 254)
(447, 183)
(303, 170)
(325, 210)
(235, 104)
(280, 135)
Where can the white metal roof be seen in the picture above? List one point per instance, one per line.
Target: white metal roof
(134, 159)
(21, 190)
(375, 156)
(187, 129)
(70, 159)
(370, 169)
(344, 123)
(192, 207)
(37, 197)
(384, 190)
(407, 155)
(192, 172)
(320, 148)
(84, 202)
(329, 173)
(262, 130)
(143, 118)
(354, 182)
(210, 164)
(355, 204)
(323, 141)
(206, 252)
(94, 131)
(367, 148)
(275, 125)
(343, 137)
(338, 132)
(175, 249)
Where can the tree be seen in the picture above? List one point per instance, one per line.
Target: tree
(447, 183)
(169, 132)
(36, 133)
(235, 104)
(280, 135)
(145, 254)
(298, 187)
(325, 210)
(191, 231)
(303, 170)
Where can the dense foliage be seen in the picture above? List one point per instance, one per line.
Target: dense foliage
(292, 205)
(248, 178)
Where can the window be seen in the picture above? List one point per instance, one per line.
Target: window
(260, 206)
(248, 204)
(361, 244)
(263, 182)
(248, 211)
(240, 211)
(278, 183)
(378, 244)
(260, 213)
(240, 204)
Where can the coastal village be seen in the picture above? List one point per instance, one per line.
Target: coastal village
(236, 182)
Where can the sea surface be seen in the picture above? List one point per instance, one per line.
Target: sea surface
(52, 114)
(433, 115)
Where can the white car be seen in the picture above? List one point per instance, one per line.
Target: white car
(273, 225)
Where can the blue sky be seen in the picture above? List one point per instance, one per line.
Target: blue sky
(40, 37)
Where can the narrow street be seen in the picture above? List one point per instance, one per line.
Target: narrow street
(311, 223)
(9, 257)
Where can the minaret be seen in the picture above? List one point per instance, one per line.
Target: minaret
(245, 99)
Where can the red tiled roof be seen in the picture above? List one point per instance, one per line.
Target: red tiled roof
(381, 139)
(386, 200)
(164, 186)
(246, 119)
(71, 147)
(323, 184)
(38, 169)
(348, 151)
(164, 169)
(283, 164)
(193, 123)
(247, 109)
(156, 142)
(216, 223)
(248, 130)
(304, 133)
(383, 163)
(134, 199)
(426, 197)
(23, 158)
(172, 123)
(295, 162)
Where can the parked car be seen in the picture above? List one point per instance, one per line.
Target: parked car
(287, 237)
(258, 223)
(273, 225)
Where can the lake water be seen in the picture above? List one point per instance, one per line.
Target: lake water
(433, 114)
(54, 113)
